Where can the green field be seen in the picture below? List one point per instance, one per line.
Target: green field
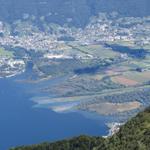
(5, 53)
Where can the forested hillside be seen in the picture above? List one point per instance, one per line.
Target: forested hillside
(74, 12)
(134, 135)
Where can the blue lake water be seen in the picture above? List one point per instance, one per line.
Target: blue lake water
(21, 124)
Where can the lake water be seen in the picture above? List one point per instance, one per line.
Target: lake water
(21, 123)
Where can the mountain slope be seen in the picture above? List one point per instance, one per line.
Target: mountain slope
(134, 135)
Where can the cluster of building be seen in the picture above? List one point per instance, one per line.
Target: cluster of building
(114, 127)
(10, 67)
(102, 28)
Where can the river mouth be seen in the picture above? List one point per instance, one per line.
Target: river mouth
(62, 98)
(22, 123)
(67, 100)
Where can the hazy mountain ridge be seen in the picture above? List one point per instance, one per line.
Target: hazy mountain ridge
(70, 11)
